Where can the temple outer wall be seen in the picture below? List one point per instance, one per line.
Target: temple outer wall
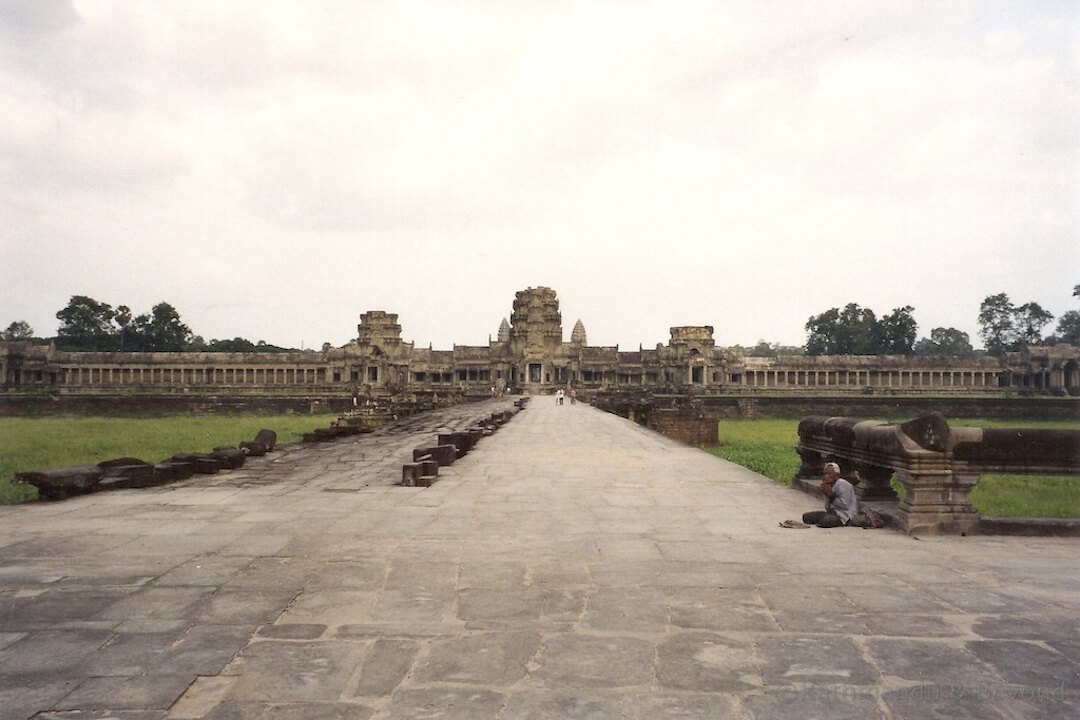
(131, 404)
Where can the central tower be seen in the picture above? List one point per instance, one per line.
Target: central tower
(535, 333)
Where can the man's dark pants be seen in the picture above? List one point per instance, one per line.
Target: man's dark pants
(822, 518)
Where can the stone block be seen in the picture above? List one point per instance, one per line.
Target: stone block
(174, 470)
(230, 457)
(127, 472)
(267, 438)
(62, 482)
(202, 462)
(422, 473)
(409, 474)
(264, 442)
(253, 449)
(463, 441)
(331, 433)
(443, 454)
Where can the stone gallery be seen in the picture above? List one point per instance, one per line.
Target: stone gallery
(529, 355)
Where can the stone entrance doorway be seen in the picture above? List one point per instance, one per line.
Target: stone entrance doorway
(534, 372)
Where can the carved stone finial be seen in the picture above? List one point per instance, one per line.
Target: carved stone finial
(578, 334)
(929, 431)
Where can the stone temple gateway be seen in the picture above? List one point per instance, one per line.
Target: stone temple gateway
(529, 355)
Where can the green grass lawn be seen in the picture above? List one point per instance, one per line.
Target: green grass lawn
(768, 447)
(41, 443)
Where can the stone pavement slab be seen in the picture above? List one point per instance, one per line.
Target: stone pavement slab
(572, 565)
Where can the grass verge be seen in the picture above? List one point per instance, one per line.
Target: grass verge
(767, 446)
(41, 443)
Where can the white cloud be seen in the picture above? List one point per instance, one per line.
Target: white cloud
(274, 169)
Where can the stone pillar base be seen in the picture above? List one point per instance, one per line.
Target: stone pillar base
(926, 522)
(937, 503)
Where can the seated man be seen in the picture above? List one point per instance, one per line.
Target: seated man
(841, 507)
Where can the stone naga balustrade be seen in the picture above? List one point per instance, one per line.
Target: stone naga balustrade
(937, 465)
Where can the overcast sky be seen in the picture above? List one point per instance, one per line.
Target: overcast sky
(274, 169)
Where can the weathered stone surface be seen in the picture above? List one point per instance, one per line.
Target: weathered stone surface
(595, 661)
(442, 454)
(386, 665)
(202, 649)
(127, 472)
(565, 706)
(505, 604)
(707, 662)
(126, 693)
(268, 438)
(446, 704)
(265, 441)
(464, 441)
(482, 659)
(1025, 663)
(410, 473)
(279, 671)
(932, 662)
(174, 470)
(230, 457)
(820, 659)
(48, 655)
(288, 711)
(573, 565)
(62, 482)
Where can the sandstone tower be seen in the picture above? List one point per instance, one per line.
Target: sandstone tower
(535, 331)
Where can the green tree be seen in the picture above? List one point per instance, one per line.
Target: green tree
(196, 344)
(1004, 326)
(851, 331)
(1068, 328)
(822, 333)
(896, 332)
(237, 344)
(162, 330)
(85, 324)
(764, 348)
(122, 316)
(996, 326)
(945, 341)
(1030, 321)
(18, 330)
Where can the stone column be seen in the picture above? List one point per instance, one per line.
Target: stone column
(937, 502)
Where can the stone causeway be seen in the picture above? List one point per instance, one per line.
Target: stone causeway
(570, 565)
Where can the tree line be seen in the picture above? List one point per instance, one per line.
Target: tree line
(855, 330)
(1003, 327)
(89, 325)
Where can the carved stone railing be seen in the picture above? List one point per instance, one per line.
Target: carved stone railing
(937, 465)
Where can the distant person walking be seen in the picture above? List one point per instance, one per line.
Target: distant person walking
(559, 394)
